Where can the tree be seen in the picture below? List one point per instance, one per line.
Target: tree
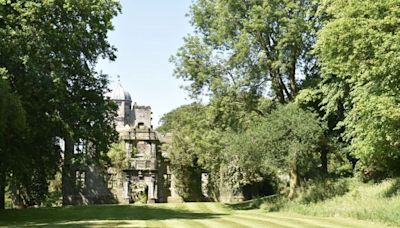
(242, 162)
(358, 54)
(287, 140)
(247, 46)
(49, 49)
(191, 150)
(242, 51)
(12, 128)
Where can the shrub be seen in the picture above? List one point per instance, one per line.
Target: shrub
(275, 203)
(318, 190)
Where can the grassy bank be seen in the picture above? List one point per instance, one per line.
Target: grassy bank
(378, 202)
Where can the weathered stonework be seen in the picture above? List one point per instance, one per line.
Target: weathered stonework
(146, 178)
(83, 182)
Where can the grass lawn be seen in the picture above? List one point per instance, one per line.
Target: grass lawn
(166, 215)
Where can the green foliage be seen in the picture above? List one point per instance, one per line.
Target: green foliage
(362, 201)
(12, 131)
(192, 147)
(322, 189)
(271, 145)
(247, 47)
(339, 165)
(243, 158)
(54, 195)
(377, 202)
(49, 50)
(117, 156)
(8, 200)
(357, 50)
(142, 198)
(188, 183)
(237, 111)
(240, 50)
(239, 159)
(393, 190)
(287, 134)
(139, 193)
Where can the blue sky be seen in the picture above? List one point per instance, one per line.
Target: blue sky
(146, 34)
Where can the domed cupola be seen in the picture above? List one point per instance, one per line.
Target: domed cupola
(123, 99)
(119, 94)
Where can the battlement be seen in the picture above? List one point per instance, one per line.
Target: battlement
(142, 116)
(141, 106)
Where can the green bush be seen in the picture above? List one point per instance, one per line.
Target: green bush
(338, 163)
(275, 203)
(319, 190)
(117, 156)
(54, 195)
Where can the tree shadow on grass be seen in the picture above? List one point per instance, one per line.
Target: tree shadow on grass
(254, 203)
(83, 216)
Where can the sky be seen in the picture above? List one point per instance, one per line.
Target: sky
(146, 34)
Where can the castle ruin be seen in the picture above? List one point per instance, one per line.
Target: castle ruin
(145, 177)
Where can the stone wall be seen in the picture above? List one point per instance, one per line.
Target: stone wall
(142, 116)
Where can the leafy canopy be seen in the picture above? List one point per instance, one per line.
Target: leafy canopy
(358, 53)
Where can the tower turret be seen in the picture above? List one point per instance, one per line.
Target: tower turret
(123, 99)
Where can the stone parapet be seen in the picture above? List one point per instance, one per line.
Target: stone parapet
(142, 164)
(140, 135)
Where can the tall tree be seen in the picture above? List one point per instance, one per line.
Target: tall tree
(248, 46)
(358, 55)
(49, 49)
(12, 128)
(244, 50)
(288, 140)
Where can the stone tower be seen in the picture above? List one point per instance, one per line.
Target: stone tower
(145, 175)
(123, 99)
(142, 116)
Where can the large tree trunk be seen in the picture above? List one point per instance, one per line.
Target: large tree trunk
(278, 89)
(17, 200)
(294, 179)
(292, 78)
(285, 89)
(67, 177)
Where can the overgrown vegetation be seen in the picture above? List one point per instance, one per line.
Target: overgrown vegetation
(117, 156)
(379, 202)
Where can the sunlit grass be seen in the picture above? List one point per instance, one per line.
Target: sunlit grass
(166, 215)
(375, 202)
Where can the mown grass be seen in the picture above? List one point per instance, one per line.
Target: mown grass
(378, 202)
(167, 215)
(64, 215)
(253, 204)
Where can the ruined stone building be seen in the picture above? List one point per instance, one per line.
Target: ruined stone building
(146, 172)
(145, 177)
